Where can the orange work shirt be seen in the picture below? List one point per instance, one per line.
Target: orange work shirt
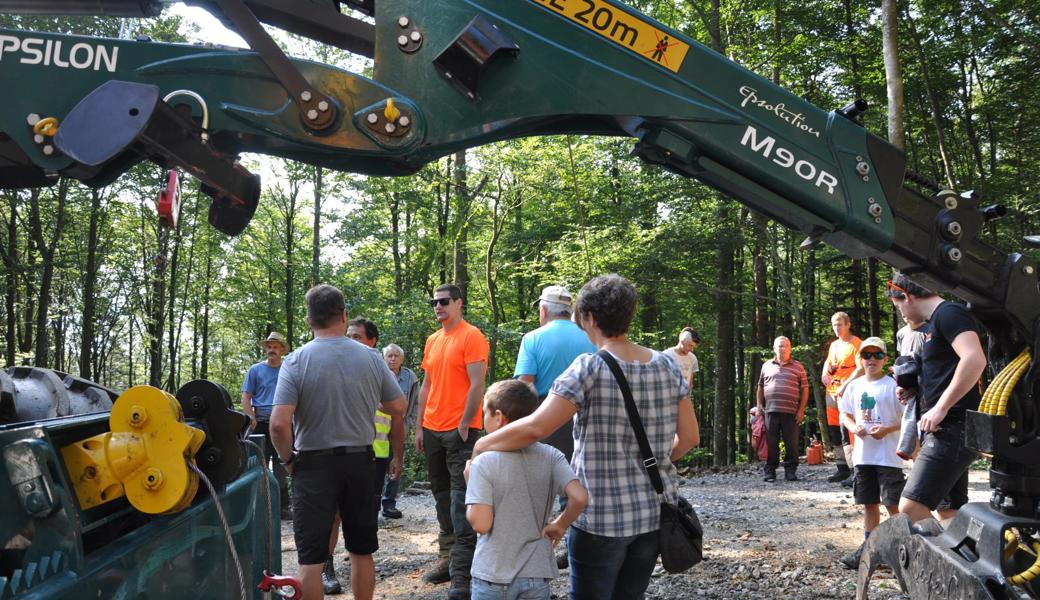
(842, 356)
(444, 361)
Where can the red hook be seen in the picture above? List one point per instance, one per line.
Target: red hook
(277, 583)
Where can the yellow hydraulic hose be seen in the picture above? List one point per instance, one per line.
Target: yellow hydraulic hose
(1005, 394)
(991, 398)
(994, 401)
(1031, 573)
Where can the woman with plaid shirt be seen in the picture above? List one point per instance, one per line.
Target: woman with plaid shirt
(613, 546)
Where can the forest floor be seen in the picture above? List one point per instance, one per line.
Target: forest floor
(761, 540)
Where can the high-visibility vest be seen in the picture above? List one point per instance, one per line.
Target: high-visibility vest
(381, 445)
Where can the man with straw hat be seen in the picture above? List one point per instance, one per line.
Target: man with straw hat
(258, 399)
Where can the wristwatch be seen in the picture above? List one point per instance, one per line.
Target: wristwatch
(286, 463)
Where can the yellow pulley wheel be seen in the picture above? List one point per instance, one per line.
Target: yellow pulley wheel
(47, 126)
(144, 456)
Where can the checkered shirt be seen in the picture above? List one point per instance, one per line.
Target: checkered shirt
(622, 501)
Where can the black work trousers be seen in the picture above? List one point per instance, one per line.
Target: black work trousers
(781, 426)
(446, 456)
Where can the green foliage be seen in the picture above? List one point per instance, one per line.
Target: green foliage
(533, 212)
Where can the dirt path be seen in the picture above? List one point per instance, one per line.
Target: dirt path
(779, 540)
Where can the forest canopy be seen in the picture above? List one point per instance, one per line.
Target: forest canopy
(93, 286)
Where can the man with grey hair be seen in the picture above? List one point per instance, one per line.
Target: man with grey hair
(549, 350)
(409, 383)
(783, 390)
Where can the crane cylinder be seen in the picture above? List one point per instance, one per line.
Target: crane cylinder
(105, 8)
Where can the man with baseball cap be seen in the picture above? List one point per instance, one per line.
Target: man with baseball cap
(549, 350)
(258, 399)
(545, 353)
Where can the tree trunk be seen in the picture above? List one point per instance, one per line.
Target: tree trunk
(893, 72)
(319, 185)
(934, 103)
(724, 336)
(395, 243)
(47, 253)
(171, 336)
(204, 360)
(89, 279)
(460, 244)
(11, 260)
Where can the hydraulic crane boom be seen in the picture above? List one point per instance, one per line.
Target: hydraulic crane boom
(461, 73)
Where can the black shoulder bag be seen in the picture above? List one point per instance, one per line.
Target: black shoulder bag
(681, 535)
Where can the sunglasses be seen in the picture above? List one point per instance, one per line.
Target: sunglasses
(896, 289)
(869, 355)
(442, 301)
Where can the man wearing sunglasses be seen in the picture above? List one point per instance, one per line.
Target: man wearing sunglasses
(449, 422)
(952, 363)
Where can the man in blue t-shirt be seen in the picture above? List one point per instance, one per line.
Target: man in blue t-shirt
(549, 350)
(258, 400)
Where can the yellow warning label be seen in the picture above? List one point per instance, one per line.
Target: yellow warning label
(624, 29)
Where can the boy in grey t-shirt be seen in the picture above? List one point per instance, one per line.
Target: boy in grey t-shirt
(509, 498)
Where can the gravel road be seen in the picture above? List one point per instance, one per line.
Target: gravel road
(761, 540)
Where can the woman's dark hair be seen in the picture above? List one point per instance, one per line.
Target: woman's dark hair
(324, 304)
(611, 299)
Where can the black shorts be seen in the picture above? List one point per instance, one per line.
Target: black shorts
(941, 468)
(878, 485)
(323, 485)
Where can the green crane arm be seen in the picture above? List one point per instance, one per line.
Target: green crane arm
(454, 74)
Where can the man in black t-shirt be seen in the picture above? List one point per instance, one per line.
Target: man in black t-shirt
(952, 363)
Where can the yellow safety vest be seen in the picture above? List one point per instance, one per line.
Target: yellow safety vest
(381, 445)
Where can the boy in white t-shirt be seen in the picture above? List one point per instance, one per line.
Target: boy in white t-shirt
(872, 412)
(509, 498)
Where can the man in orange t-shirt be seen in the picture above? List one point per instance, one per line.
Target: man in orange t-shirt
(840, 364)
(449, 423)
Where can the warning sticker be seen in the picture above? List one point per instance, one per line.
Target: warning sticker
(624, 29)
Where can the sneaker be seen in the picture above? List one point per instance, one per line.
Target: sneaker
(851, 560)
(841, 475)
(770, 477)
(459, 588)
(848, 483)
(439, 573)
(391, 512)
(329, 583)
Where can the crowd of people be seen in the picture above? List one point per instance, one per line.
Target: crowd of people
(549, 459)
(874, 425)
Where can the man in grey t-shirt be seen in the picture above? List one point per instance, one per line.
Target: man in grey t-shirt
(329, 390)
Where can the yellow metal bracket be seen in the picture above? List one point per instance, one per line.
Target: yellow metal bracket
(144, 456)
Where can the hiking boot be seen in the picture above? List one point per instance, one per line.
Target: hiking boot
(842, 474)
(329, 583)
(848, 483)
(439, 573)
(459, 588)
(770, 477)
(790, 476)
(391, 512)
(851, 560)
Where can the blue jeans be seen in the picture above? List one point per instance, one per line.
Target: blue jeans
(610, 568)
(522, 588)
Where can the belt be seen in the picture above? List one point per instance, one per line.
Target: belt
(337, 451)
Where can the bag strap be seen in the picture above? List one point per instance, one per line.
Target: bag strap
(649, 460)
